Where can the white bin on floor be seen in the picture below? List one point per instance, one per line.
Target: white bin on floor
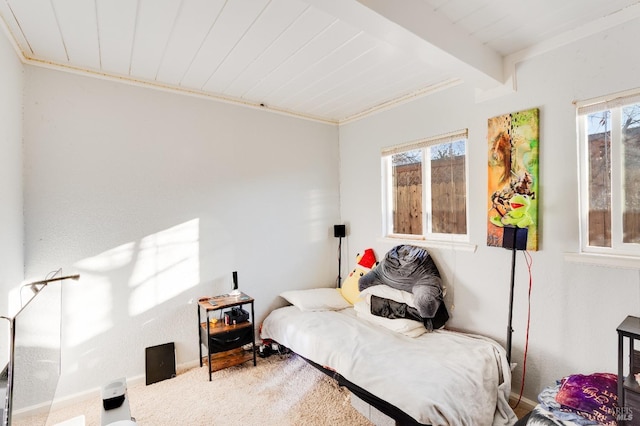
(115, 404)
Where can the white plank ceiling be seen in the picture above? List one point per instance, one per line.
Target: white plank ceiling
(330, 60)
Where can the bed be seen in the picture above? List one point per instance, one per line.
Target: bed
(415, 375)
(438, 378)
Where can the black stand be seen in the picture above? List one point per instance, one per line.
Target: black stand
(339, 261)
(339, 231)
(514, 239)
(509, 328)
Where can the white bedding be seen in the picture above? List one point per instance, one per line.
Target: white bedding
(438, 378)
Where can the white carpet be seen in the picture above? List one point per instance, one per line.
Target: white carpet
(280, 390)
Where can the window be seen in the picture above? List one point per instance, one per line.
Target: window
(425, 188)
(609, 145)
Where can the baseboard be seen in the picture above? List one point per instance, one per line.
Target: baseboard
(96, 393)
(525, 403)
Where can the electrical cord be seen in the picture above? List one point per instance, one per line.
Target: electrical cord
(529, 260)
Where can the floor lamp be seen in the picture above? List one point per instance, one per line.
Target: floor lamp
(513, 239)
(339, 231)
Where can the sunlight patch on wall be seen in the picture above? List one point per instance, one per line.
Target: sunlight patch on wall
(30, 329)
(88, 309)
(317, 202)
(131, 279)
(166, 264)
(16, 298)
(108, 261)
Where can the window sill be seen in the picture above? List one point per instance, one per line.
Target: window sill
(448, 245)
(612, 261)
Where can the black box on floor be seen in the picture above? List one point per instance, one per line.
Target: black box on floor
(160, 362)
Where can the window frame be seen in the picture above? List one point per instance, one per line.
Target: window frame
(613, 103)
(387, 188)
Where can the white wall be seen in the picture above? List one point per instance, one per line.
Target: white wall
(155, 198)
(575, 308)
(11, 223)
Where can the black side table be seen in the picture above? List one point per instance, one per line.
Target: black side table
(628, 389)
(224, 341)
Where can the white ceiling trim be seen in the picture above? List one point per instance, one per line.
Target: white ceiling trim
(167, 88)
(209, 96)
(414, 33)
(27, 60)
(11, 36)
(404, 99)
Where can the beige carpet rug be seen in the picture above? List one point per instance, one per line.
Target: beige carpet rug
(280, 390)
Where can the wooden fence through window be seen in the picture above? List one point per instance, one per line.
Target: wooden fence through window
(448, 194)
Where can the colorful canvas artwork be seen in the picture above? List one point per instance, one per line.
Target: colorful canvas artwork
(513, 176)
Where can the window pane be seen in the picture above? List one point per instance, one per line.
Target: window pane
(406, 170)
(631, 151)
(448, 188)
(599, 134)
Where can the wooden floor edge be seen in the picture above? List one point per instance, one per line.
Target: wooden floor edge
(522, 407)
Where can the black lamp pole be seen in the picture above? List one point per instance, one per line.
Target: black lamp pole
(339, 231)
(339, 261)
(514, 239)
(509, 328)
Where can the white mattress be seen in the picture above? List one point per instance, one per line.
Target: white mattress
(439, 378)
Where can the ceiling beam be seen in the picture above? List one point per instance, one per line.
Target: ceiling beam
(360, 16)
(417, 17)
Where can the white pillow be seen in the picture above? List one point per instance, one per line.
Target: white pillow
(316, 299)
(386, 292)
(404, 326)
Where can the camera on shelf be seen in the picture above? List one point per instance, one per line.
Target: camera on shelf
(235, 316)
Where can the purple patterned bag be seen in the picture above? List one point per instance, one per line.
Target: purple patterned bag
(593, 396)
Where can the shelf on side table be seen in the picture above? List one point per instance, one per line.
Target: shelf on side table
(222, 360)
(224, 337)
